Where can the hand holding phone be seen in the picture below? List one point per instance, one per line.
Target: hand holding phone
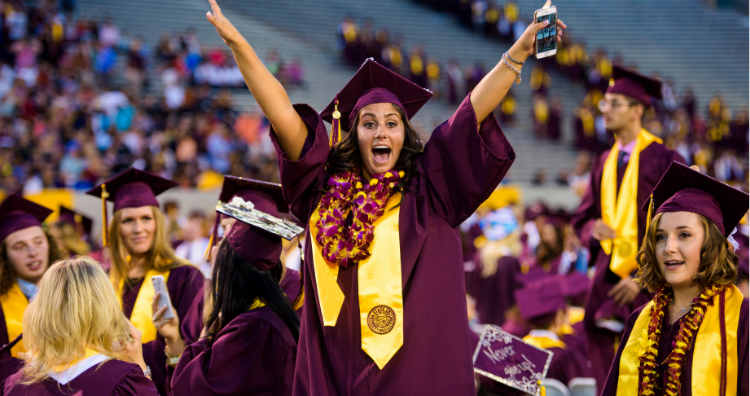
(160, 288)
(546, 39)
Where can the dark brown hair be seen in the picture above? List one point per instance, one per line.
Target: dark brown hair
(8, 273)
(718, 265)
(345, 156)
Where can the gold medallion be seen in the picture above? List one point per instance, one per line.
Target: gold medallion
(625, 249)
(381, 319)
(336, 114)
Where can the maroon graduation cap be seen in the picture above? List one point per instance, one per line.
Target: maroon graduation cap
(511, 361)
(682, 189)
(635, 85)
(267, 197)
(82, 224)
(540, 298)
(373, 83)
(575, 285)
(132, 188)
(18, 213)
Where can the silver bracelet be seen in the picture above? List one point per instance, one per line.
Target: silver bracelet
(518, 72)
(515, 61)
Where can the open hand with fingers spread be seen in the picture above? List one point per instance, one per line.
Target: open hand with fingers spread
(226, 30)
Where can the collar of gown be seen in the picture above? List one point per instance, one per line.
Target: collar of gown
(77, 369)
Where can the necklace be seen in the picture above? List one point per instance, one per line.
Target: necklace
(682, 309)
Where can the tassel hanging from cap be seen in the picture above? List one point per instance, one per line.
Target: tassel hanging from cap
(214, 236)
(105, 195)
(335, 126)
(650, 211)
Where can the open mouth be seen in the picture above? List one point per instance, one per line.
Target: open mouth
(34, 265)
(673, 264)
(381, 154)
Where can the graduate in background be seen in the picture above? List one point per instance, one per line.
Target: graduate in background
(385, 308)
(608, 222)
(249, 344)
(78, 338)
(72, 231)
(692, 338)
(26, 252)
(139, 248)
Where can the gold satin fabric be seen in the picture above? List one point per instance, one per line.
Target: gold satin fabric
(142, 312)
(379, 280)
(543, 342)
(14, 303)
(706, 368)
(620, 211)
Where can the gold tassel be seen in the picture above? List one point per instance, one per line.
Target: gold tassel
(650, 211)
(335, 126)
(212, 240)
(105, 195)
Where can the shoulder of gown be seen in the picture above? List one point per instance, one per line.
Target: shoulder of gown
(135, 383)
(252, 354)
(463, 162)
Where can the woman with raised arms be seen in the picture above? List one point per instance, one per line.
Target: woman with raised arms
(385, 307)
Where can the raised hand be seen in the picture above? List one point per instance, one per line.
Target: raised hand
(525, 44)
(226, 30)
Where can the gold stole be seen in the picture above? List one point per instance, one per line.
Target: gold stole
(575, 315)
(142, 313)
(706, 368)
(543, 342)
(621, 211)
(14, 303)
(89, 353)
(381, 305)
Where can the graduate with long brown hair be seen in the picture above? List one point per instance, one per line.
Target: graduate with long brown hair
(385, 302)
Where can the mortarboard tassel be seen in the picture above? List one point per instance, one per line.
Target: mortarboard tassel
(650, 210)
(79, 225)
(335, 126)
(214, 237)
(105, 195)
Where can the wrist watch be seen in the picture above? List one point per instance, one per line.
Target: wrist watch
(147, 372)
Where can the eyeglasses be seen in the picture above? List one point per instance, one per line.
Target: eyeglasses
(612, 104)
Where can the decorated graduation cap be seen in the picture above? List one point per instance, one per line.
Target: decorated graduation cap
(543, 297)
(266, 197)
(635, 85)
(373, 83)
(682, 189)
(82, 224)
(256, 236)
(18, 213)
(132, 188)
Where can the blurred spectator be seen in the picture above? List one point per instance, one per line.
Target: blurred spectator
(194, 243)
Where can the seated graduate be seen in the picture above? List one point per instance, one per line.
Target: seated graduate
(542, 304)
(249, 344)
(75, 332)
(26, 252)
(692, 338)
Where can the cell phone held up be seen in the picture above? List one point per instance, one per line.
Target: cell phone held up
(546, 39)
(160, 288)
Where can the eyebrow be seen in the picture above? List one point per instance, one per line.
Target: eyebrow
(373, 115)
(679, 228)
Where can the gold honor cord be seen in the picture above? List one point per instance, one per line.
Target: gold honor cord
(141, 315)
(105, 224)
(14, 303)
(379, 278)
(620, 211)
(706, 368)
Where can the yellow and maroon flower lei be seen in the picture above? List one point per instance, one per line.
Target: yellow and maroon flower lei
(343, 245)
(689, 325)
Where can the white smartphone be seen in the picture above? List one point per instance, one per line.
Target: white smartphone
(161, 288)
(546, 39)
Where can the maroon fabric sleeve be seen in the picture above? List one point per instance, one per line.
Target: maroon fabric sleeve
(300, 178)
(135, 383)
(462, 165)
(249, 356)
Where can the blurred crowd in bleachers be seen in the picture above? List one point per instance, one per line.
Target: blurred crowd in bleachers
(82, 99)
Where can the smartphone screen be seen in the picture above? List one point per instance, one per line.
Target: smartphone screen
(546, 39)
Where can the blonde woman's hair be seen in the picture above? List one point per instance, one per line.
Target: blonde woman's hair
(76, 309)
(161, 255)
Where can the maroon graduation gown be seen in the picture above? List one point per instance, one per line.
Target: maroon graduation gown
(184, 285)
(668, 334)
(291, 284)
(458, 170)
(653, 162)
(8, 364)
(113, 377)
(494, 294)
(254, 354)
